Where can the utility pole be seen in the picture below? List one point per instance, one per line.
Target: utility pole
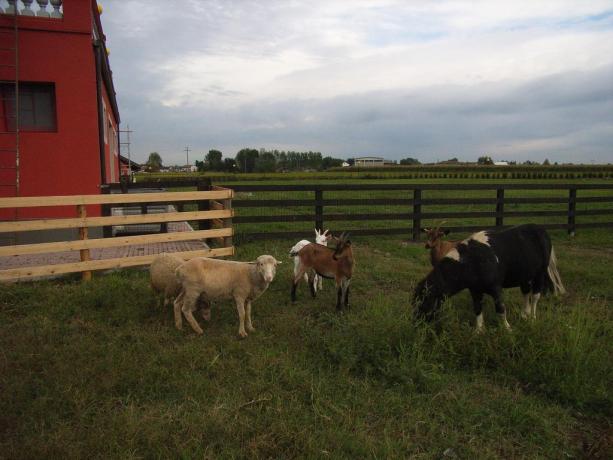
(127, 144)
(187, 155)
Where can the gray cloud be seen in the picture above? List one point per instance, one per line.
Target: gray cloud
(564, 115)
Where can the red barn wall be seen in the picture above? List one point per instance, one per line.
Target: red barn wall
(65, 162)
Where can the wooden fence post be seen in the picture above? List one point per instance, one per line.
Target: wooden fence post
(499, 207)
(572, 206)
(319, 210)
(416, 214)
(227, 223)
(83, 231)
(107, 230)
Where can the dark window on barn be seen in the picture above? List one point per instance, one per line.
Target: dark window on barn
(36, 106)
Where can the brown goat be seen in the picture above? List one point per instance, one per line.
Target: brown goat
(334, 263)
(438, 247)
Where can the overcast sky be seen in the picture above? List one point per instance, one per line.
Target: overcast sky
(427, 79)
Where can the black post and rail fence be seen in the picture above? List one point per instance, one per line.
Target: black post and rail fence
(278, 203)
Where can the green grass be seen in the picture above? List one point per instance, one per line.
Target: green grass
(96, 370)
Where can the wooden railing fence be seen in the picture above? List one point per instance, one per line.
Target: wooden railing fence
(221, 213)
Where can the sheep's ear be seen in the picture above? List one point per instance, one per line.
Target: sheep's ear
(278, 262)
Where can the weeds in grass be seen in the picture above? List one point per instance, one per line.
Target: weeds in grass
(97, 369)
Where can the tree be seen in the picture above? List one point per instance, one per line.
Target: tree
(200, 165)
(229, 165)
(154, 163)
(213, 160)
(245, 160)
(265, 162)
(485, 160)
(409, 161)
(329, 162)
(546, 162)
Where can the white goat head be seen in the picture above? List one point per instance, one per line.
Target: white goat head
(267, 267)
(322, 237)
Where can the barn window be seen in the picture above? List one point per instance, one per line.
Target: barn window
(36, 106)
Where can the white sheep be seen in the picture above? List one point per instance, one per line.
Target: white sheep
(212, 279)
(162, 274)
(320, 238)
(165, 283)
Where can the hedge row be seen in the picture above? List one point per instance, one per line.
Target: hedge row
(469, 174)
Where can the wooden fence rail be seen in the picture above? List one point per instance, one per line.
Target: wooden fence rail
(222, 212)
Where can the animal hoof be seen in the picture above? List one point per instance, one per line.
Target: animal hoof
(242, 334)
(251, 329)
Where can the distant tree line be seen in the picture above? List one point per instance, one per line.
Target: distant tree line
(252, 160)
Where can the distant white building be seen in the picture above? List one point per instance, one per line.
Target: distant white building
(373, 161)
(501, 163)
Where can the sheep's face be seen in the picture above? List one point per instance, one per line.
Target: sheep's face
(267, 267)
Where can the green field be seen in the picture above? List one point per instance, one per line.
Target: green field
(97, 370)
(415, 172)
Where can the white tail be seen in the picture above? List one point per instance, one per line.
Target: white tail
(554, 275)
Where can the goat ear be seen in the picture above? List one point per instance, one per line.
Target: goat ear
(326, 231)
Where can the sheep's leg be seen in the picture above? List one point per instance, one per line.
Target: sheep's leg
(478, 309)
(297, 277)
(250, 327)
(205, 309)
(177, 307)
(240, 307)
(189, 306)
